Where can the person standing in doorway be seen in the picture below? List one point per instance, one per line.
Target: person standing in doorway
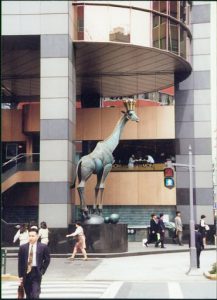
(80, 243)
(33, 260)
(179, 227)
(153, 230)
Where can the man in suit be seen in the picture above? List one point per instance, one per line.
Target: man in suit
(198, 244)
(161, 231)
(153, 230)
(33, 260)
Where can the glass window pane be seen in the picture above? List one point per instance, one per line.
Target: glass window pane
(173, 37)
(119, 25)
(163, 31)
(173, 8)
(156, 5)
(183, 36)
(156, 31)
(163, 7)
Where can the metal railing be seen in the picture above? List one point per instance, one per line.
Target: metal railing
(21, 162)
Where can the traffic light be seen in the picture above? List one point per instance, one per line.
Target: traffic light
(169, 181)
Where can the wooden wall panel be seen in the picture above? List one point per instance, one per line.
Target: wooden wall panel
(156, 122)
(92, 124)
(12, 125)
(132, 188)
(109, 118)
(31, 117)
(79, 124)
(165, 122)
(147, 126)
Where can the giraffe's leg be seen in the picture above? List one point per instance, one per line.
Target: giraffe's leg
(106, 171)
(83, 177)
(99, 177)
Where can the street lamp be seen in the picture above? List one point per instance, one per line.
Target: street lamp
(190, 166)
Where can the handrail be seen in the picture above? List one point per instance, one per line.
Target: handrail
(2, 220)
(19, 156)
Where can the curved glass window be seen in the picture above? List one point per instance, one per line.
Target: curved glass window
(106, 23)
(173, 36)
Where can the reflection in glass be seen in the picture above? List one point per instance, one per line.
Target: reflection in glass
(79, 21)
(119, 25)
(173, 37)
(173, 8)
(183, 37)
(159, 32)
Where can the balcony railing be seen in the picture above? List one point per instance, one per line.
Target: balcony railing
(21, 162)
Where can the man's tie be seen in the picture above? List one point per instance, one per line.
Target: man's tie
(30, 260)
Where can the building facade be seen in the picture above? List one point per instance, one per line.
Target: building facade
(61, 55)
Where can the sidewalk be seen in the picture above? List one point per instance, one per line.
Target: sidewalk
(139, 263)
(134, 248)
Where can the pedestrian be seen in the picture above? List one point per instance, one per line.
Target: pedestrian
(179, 227)
(80, 241)
(149, 160)
(198, 243)
(203, 228)
(43, 233)
(161, 231)
(131, 161)
(152, 237)
(33, 260)
(22, 234)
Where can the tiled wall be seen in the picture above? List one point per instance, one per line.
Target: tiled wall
(193, 121)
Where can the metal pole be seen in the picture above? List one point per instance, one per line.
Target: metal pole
(193, 254)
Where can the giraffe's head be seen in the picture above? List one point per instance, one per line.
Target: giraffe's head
(130, 114)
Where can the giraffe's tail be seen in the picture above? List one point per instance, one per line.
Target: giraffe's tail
(72, 186)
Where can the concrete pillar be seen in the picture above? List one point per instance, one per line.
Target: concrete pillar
(57, 121)
(193, 121)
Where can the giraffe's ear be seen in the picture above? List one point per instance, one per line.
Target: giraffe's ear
(123, 112)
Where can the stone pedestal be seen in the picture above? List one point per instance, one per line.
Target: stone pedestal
(105, 238)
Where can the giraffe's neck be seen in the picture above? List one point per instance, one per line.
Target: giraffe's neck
(112, 141)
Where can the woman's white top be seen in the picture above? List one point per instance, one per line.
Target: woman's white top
(23, 237)
(43, 234)
(79, 231)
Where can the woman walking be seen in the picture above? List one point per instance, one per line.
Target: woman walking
(80, 243)
(22, 234)
(43, 233)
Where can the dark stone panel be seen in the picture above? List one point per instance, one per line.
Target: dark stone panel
(54, 192)
(184, 113)
(58, 242)
(184, 129)
(183, 197)
(200, 14)
(184, 97)
(54, 129)
(106, 238)
(201, 196)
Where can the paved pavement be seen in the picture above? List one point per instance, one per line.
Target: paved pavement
(160, 274)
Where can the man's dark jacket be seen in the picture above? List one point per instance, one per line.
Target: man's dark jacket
(42, 258)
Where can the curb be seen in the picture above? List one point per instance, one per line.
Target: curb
(210, 276)
(9, 277)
